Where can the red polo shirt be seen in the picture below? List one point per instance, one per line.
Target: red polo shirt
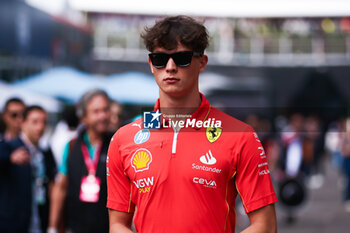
(188, 181)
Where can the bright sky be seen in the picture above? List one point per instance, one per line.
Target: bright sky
(224, 8)
(51, 6)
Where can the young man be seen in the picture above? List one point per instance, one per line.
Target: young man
(27, 178)
(186, 179)
(81, 184)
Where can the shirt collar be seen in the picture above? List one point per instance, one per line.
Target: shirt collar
(27, 142)
(201, 113)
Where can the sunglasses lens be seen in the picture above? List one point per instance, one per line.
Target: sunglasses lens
(159, 60)
(182, 58)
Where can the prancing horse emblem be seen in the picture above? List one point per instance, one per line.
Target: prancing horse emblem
(213, 133)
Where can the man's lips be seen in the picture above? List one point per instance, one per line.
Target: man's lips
(171, 80)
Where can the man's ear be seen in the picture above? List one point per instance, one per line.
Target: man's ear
(150, 65)
(203, 62)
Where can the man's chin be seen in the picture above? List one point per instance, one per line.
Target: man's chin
(174, 92)
(102, 130)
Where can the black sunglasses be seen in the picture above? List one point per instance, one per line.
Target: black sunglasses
(182, 58)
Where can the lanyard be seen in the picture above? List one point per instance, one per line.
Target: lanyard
(91, 165)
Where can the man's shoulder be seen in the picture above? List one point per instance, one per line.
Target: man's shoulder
(228, 122)
(72, 141)
(78, 137)
(128, 130)
(15, 143)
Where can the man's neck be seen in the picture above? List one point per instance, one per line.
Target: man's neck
(28, 141)
(94, 137)
(184, 105)
(10, 135)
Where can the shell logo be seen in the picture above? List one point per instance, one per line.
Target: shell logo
(141, 160)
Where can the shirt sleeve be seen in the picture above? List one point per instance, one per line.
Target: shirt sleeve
(119, 186)
(64, 165)
(253, 181)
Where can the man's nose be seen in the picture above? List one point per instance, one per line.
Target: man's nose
(171, 66)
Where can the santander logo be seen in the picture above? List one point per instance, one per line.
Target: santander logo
(208, 158)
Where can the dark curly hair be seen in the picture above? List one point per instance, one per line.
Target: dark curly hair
(170, 31)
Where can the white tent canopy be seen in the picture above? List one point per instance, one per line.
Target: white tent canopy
(48, 103)
(70, 84)
(211, 81)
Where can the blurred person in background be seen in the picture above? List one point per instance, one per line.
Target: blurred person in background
(332, 142)
(295, 152)
(271, 144)
(292, 142)
(313, 149)
(151, 170)
(116, 116)
(26, 177)
(293, 129)
(268, 138)
(345, 151)
(13, 118)
(80, 192)
(65, 130)
(303, 145)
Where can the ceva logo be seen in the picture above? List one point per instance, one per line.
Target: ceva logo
(208, 158)
(205, 182)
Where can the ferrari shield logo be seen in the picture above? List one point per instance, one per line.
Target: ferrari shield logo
(213, 133)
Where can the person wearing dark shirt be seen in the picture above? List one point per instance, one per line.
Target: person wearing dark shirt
(80, 192)
(26, 176)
